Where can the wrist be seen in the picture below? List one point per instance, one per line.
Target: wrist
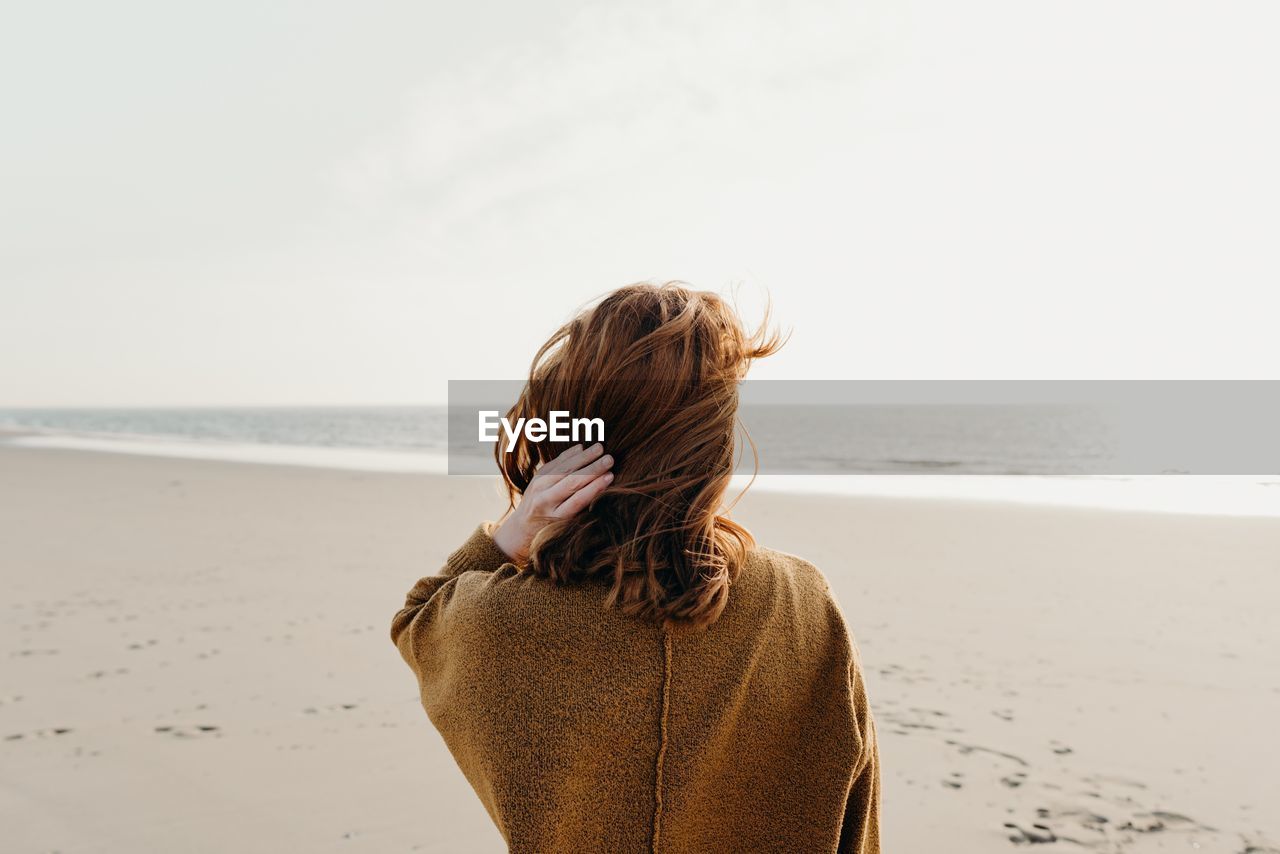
(504, 538)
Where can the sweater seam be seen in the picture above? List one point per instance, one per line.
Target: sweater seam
(662, 738)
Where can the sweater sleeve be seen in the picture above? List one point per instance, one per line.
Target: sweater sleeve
(479, 554)
(860, 830)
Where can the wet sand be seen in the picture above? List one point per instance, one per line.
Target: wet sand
(195, 657)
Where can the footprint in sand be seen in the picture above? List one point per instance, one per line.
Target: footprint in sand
(199, 731)
(915, 719)
(51, 732)
(1105, 779)
(966, 749)
(102, 674)
(1038, 833)
(1014, 780)
(336, 707)
(1095, 829)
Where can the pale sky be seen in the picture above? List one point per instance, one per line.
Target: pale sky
(291, 203)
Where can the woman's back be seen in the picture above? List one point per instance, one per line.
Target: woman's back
(617, 667)
(584, 729)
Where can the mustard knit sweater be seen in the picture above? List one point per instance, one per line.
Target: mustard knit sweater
(584, 730)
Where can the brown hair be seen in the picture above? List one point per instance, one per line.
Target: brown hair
(660, 364)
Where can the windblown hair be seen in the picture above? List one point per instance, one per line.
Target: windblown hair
(660, 364)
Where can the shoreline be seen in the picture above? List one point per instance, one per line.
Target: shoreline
(1196, 495)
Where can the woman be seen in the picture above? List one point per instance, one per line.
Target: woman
(617, 666)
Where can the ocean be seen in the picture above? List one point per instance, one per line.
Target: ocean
(971, 453)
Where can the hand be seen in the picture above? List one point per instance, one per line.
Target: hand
(560, 489)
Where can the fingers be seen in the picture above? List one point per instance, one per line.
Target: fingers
(558, 464)
(570, 482)
(580, 500)
(571, 461)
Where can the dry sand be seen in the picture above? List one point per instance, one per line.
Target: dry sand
(195, 658)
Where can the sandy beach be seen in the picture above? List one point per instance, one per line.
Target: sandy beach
(195, 658)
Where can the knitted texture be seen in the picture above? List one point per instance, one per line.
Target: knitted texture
(585, 730)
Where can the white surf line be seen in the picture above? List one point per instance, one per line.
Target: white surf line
(310, 456)
(1193, 494)
(1209, 495)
